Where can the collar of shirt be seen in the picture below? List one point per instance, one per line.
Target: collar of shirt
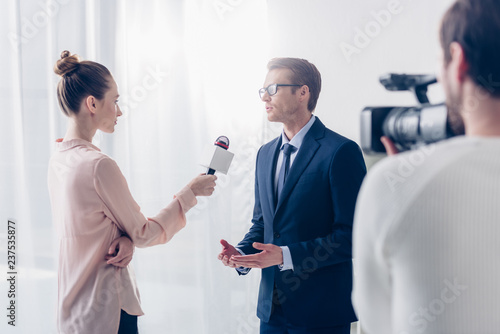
(298, 138)
(69, 144)
(297, 142)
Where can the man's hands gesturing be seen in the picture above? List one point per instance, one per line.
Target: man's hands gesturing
(271, 255)
(227, 252)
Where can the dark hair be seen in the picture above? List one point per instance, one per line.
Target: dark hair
(79, 79)
(475, 25)
(303, 73)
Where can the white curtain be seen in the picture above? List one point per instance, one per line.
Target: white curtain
(187, 71)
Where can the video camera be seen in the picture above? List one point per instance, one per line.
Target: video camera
(408, 127)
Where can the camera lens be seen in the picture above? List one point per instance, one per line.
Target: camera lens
(402, 126)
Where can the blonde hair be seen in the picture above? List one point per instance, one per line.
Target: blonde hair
(79, 79)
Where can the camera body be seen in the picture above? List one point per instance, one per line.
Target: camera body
(408, 127)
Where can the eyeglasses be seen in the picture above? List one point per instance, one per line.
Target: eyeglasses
(273, 89)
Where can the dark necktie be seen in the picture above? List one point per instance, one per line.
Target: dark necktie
(285, 166)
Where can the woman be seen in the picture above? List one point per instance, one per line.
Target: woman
(95, 212)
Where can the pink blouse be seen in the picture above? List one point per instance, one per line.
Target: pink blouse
(92, 206)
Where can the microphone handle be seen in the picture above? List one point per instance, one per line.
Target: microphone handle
(211, 171)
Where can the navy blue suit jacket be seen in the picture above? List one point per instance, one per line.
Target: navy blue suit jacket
(314, 219)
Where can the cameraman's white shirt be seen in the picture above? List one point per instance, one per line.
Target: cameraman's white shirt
(426, 241)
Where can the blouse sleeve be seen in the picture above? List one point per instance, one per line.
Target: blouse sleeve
(121, 208)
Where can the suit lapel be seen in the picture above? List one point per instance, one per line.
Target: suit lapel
(273, 158)
(306, 153)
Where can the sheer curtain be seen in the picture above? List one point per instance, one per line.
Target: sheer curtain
(187, 71)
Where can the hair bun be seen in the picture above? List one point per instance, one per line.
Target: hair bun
(65, 54)
(67, 64)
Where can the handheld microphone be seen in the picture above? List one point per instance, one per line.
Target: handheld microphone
(218, 158)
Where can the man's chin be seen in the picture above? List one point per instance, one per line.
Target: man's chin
(274, 118)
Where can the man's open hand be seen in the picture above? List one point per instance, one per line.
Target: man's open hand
(271, 255)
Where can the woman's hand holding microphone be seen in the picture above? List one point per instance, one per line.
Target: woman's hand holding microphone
(203, 185)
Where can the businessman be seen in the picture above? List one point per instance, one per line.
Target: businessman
(306, 184)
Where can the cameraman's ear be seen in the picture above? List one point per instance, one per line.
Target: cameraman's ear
(459, 63)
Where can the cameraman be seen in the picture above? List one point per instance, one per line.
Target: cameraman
(427, 222)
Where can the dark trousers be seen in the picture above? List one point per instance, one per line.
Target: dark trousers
(278, 324)
(128, 324)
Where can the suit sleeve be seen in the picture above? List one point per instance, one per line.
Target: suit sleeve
(347, 170)
(256, 232)
(122, 209)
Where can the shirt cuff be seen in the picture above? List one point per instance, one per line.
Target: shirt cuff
(242, 270)
(287, 259)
